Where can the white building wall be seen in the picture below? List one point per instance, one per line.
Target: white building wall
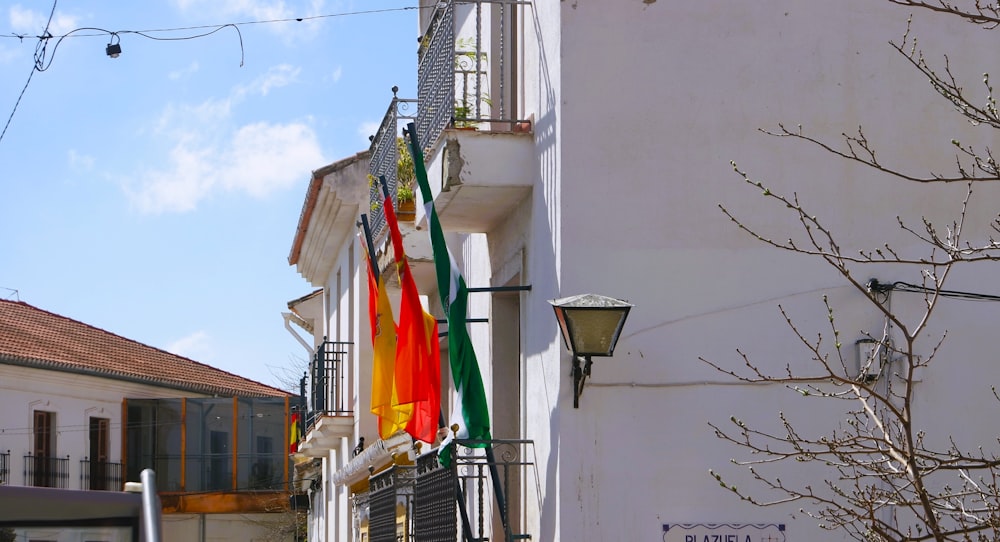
(654, 101)
(638, 109)
(340, 257)
(74, 398)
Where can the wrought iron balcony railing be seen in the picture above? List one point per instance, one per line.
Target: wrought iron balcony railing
(460, 80)
(384, 153)
(5, 468)
(100, 475)
(44, 471)
(327, 392)
(476, 498)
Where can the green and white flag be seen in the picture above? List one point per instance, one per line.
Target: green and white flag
(473, 417)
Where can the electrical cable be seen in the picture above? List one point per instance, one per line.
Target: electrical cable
(220, 26)
(899, 286)
(41, 48)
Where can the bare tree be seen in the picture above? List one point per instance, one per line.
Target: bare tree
(886, 478)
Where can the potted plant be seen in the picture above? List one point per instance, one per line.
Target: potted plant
(406, 205)
(471, 73)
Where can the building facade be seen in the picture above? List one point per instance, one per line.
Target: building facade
(86, 409)
(589, 147)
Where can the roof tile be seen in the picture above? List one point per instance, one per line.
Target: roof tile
(35, 337)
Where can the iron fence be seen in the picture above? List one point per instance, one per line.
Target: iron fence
(466, 68)
(5, 468)
(387, 490)
(44, 471)
(477, 497)
(328, 395)
(100, 475)
(436, 75)
(384, 154)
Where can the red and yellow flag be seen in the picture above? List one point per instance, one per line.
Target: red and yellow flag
(392, 416)
(293, 433)
(418, 358)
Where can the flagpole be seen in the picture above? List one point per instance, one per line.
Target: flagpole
(460, 494)
(427, 197)
(364, 219)
(371, 246)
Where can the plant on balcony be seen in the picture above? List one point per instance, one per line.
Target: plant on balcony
(405, 176)
(466, 106)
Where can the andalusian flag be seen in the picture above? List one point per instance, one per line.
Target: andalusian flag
(472, 416)
(392, 417)
(418, 355)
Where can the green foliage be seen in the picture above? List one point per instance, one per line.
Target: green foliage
(405, 175)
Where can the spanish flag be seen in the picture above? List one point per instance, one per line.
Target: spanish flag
(293, 434)
(392, 416)
(417, 373)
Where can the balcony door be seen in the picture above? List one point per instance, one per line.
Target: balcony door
(44, 448)
(100, 444)
(507, 409)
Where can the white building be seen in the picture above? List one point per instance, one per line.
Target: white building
(85, 409)
(597, 162)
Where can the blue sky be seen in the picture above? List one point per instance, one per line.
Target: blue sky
(155, 195)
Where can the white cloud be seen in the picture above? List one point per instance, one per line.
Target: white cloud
(209, 156)
(266, 157)
(337, 73)
(262, 10)
(185, 72)
(368, 129)
(196, 346)
(28, 21)
(178, 120)
(256, 160)
(80, 162)
(276, 77)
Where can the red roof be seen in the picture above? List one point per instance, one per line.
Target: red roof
(33, 337)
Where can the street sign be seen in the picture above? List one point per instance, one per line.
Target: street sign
(724, 532)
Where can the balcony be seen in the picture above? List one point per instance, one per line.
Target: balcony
(384, 153)
(101, 475)
(328, 419)
(222, 455)
(44, 471)
(479, 154)
(477, 498)
(466, 70)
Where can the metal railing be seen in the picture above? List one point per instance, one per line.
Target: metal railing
(461, 81)
(477, 495)
(100, 475)
(44, 471)
(5, 468)
(327, 393)
(385, 157)
(386, 490)
(498, 467)
(436, 75)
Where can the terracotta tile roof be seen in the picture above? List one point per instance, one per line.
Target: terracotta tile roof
(33, 337)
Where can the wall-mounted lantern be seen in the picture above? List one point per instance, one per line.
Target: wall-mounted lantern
(591, 325)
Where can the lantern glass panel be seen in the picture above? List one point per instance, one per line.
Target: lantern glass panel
(594, 332)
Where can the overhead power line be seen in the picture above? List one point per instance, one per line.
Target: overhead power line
(46, 35)
(43, 57)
